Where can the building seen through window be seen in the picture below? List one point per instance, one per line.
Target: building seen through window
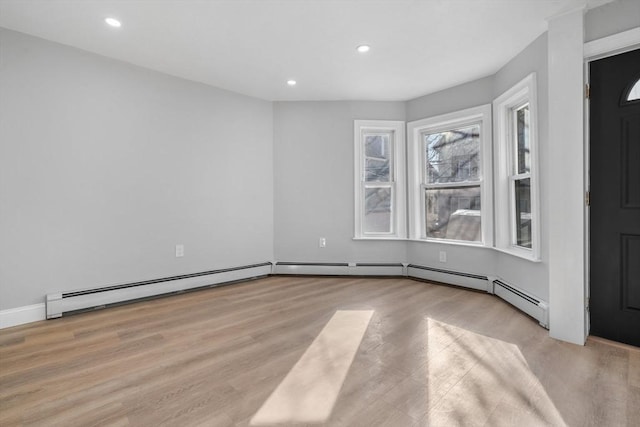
(452, 190)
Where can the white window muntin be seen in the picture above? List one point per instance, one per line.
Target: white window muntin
(506, 167)
(394, 130)
(417, 170)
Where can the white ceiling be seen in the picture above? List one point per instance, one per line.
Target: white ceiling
(254, 46)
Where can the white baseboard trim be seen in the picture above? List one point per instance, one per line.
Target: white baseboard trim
(21, 315)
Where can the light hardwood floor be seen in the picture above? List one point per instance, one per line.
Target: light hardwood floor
(430, 355)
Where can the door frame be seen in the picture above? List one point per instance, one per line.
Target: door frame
(594, 50)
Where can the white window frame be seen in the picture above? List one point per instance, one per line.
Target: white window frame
(522, 93)
(416, 169)
(397, 184)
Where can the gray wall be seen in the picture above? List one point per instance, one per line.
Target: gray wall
(104, 167)
(313, 152)
(611, 18)
(471, 94)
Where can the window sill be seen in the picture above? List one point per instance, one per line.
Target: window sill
(437, 242)
(520, 254)
(453, 243)
(393, 239)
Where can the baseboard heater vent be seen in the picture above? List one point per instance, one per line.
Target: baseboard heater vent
(458, 278)
(69, 302)
(524, 301)
(340, 268)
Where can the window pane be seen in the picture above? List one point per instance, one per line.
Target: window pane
(377, 210)
(522, 124)
(453, 213)
(523, 212)
(377, 158)
(453, 156)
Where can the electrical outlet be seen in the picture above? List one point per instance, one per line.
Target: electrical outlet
(179, 251)
(443, 256)
(322, 242)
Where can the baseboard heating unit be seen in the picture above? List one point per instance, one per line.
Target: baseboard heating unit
(340, 269)
(467, 280)
(58, 304)
(522, 300)
(66, 302)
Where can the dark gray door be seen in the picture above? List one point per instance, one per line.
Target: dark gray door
(615, 198)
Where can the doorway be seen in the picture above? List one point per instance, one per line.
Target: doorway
(614, 176)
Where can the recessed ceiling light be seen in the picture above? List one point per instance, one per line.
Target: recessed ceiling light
(113, 22)
(291, 82)
(363, 48)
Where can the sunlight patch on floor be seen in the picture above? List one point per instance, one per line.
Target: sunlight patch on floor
(309, 391)
(475, 379)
